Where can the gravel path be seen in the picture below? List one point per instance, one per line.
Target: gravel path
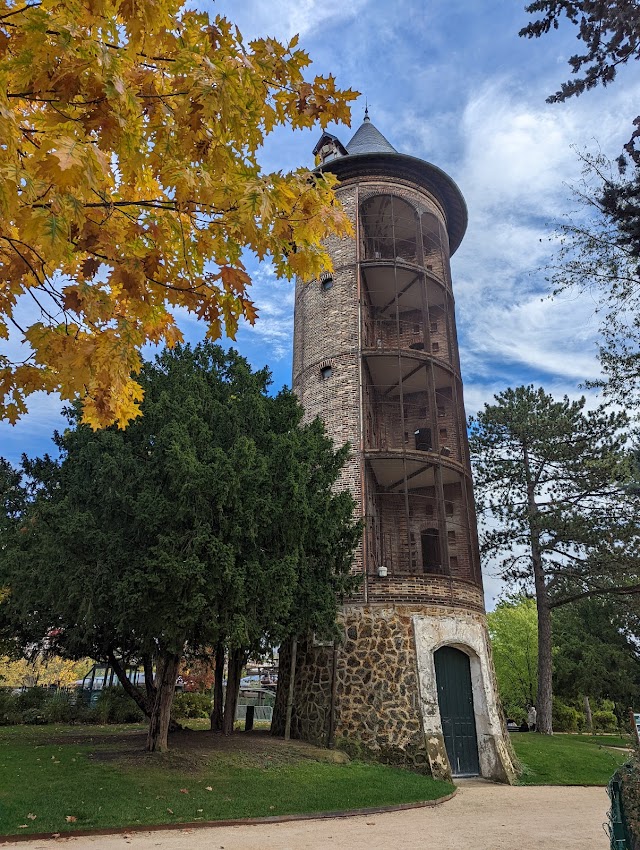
(482, 816)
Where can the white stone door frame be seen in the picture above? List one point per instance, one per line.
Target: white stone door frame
(468, 633)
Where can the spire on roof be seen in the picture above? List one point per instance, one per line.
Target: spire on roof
(368, 139)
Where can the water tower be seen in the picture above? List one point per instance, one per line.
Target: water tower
(376, 357)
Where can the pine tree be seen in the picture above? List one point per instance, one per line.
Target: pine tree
(558, 516)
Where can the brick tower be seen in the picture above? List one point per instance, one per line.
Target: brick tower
(376, 357)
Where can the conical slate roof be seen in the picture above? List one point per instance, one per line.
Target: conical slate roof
(369, 154)
(368, 139)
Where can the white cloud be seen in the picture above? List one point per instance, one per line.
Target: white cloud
(285, 18)
(274, 299)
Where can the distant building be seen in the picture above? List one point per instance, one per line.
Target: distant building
(376, 357)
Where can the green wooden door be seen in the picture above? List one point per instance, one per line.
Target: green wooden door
(455, 698)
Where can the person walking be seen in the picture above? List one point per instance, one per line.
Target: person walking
(532, 716)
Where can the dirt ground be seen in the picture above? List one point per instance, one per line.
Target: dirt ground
(482, 816)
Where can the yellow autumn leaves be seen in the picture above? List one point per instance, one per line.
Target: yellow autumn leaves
(130, 185)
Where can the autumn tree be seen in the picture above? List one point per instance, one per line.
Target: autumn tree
(558, 517)
(131, 186)
(42, 669)
(189, 529)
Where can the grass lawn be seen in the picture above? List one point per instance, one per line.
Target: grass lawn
(100, 777)
(568, 759)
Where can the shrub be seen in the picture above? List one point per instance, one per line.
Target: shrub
(32, 698)
(115, 706)
(605, 721)
(60, 709)
(565, 718)
(191, 705)
(34, 716)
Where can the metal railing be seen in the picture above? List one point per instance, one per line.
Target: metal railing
(616, 826)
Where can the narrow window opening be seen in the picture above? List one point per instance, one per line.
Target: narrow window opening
(451, 535)
(423, 439)
(441, 411)
(431, 556)
(435, 347)
(434, 327)
(443, 433)
(417, 346)
(326, 372)
(448, 508)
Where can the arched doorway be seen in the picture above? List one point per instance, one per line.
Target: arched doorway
(455, 699)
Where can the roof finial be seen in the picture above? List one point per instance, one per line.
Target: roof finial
(366, 111)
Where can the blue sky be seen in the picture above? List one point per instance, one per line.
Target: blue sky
(449, 81)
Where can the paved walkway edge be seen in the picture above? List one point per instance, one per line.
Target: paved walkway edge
(198, 824)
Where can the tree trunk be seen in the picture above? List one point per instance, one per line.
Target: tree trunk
(166, 672)
(218, 692)
(544, 701)
(587, 713)
(234, 672)
(129, 688)
(149, 678)
(292, 681)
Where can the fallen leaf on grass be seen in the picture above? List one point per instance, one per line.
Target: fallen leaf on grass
(200, 810)
(208, 788)
(23, 826)
(184, 790)
(31, 816)
(71, 818)
(170, 811)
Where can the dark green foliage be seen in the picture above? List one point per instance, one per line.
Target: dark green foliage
(191, 705)
(114, 706)
(550, 471)
(61, 708)
(210, 519)
(32, 698)
(39, 706)
(596, 652)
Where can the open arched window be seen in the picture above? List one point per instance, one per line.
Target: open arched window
(432, 244)
(389, 227)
